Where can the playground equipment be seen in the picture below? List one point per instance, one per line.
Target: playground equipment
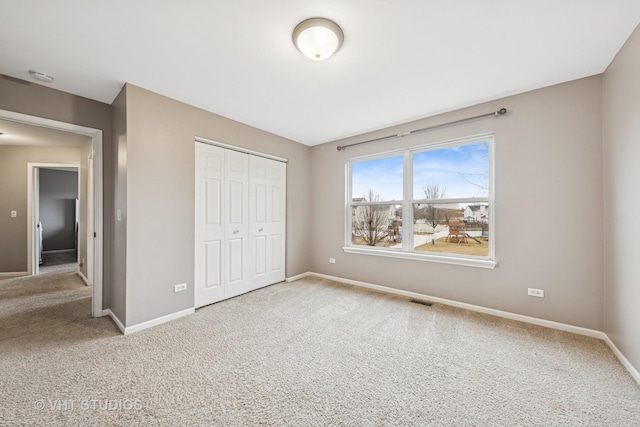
(458, 233)
(471, 237)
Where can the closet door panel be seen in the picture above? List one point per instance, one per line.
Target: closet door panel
(236, 222)
(240, 223)
(267, 187)
(209, 226)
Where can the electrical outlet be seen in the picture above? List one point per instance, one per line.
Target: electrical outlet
(180, 287)
(532, 292)
(332, 260)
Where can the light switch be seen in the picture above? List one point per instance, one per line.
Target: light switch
(119, 214)
(14, 214)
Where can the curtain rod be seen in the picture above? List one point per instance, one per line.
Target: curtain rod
(500, 112)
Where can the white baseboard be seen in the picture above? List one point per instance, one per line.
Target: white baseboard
(14, 274)
(298, 277)
(58, 251)
(505, 314)
(83, 277)
(115, 319)
(158, 321)
(632, 370)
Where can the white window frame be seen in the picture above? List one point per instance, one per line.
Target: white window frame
(407, 250)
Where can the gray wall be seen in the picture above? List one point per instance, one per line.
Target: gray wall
(621, 110)
(160, 201)
(548, 208)
(40, 101)
(13, 196)
(58, 194)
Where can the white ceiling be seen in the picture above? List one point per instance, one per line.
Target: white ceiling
(401, 60)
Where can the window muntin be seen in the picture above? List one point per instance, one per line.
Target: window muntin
(446, 200)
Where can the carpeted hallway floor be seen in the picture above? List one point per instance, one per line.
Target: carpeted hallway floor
(307, 353)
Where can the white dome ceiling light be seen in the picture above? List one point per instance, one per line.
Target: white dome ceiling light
(318, 38)
(40, 76)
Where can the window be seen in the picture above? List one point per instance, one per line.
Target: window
(431, 202)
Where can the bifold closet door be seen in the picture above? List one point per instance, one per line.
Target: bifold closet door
(236, 223)
(221, 224)
(267, 207)
(239, 223)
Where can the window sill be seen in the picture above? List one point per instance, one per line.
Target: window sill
(468, 262)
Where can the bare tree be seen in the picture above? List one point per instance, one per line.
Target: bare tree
(371, 222)
(432, 214)
(480, 179)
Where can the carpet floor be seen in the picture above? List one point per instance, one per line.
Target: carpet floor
(308, 353)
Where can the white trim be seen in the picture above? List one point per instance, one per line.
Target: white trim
(148, 324)
(59, 251)
(83, 277)
(97, 148)
(407, 250)
(625, 362)
(32, 256)
(158, 321)
(240, 149)
(468, 262)
(115, 319)
(499, 313)
(298, 277)
(14, 273)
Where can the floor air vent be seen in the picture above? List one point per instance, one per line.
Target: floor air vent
(417, 301)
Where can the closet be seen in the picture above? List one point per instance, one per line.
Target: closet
(239, 222)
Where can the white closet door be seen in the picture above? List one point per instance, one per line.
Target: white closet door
(267, 206)
(236, 209)
(209, 225)
(239, 223)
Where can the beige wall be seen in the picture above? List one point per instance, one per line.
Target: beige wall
(117, 295)
(160, 170)
(548, 208)
(40, 101)
(621, 111)
(13, 196)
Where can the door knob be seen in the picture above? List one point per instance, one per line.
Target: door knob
(236, 231)
(260, 230)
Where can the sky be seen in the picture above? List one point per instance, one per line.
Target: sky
(456, 169)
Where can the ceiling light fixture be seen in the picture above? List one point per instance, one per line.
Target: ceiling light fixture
(318, 38)
(40, 76)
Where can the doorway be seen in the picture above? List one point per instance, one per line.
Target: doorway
(94, 235)
(60, 231)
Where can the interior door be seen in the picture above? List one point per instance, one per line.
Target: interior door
(236, 226)
(209, 225)
(267, 221)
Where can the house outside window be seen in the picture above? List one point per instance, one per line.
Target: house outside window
(431, 202)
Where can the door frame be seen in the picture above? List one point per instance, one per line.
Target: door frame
(97, 229)
(33, 211)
